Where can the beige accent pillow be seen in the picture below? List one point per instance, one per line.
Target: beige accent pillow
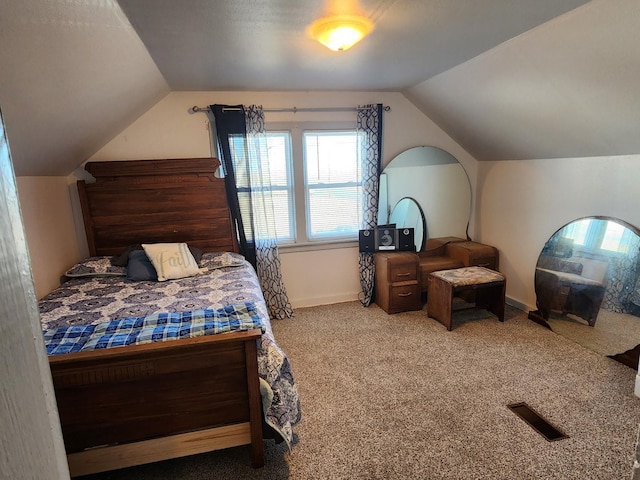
(171, 260)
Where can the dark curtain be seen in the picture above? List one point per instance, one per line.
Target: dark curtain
(230, 122)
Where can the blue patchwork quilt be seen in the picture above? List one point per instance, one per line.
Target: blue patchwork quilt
(157, 327)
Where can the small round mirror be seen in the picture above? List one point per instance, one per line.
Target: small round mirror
(408, 214)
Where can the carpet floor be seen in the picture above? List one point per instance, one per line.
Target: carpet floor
(399, 397)
(613, 333)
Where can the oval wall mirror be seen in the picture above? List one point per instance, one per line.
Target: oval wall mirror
(587, 284)
(408, 214)
(437, 182)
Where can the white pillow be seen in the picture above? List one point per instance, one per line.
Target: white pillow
(171, 260)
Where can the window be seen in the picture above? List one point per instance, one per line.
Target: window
(617, 238)
(316, 179)
(599, 235)
(279, 146)
(333, 184)
(578, 231)
(275, 161)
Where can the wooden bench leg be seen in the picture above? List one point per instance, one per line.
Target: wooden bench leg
(501, 301)
(492, 298)
(440, 301)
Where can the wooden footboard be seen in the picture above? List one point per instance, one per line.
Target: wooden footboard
(126, 406)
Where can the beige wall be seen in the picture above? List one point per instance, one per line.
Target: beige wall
(520, 204)
(50, 230)
(311, 277)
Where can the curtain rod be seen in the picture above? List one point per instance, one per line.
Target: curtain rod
(196, 109)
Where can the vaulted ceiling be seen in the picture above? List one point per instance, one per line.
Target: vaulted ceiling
(262, 45)
(508, 79)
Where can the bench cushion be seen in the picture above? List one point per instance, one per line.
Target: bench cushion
(469, 276)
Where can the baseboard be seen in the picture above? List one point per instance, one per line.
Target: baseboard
(519, 305)
(353, 296)
(324, 300)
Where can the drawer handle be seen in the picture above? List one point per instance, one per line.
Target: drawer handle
(406, 274)
(408, 294)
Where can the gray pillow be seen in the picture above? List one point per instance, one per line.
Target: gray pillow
(94, 266)
(213, 260)
(140, 268)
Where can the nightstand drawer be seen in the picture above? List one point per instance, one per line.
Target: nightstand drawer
(397, 288)
(403, 272)
(404, 297)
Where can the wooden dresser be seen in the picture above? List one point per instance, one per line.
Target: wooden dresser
(446, 253)
(474, 254)
(397, 284)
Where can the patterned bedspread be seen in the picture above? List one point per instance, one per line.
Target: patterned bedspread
(95, 300)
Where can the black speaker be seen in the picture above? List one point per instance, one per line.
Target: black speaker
(386, 238)
(367, 241)
(406, 239)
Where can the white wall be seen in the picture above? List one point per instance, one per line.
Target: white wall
(520, 204)
(31, 445)
(168, 130)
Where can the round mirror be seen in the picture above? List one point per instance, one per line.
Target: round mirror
(587, 284)
(408, 214)
(436, 182)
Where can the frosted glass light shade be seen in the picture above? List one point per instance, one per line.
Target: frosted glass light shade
(341, 32)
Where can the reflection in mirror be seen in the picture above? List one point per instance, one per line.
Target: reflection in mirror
(587, 284)
(437, 182)
(408, 214)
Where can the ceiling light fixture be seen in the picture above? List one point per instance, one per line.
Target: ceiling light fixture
(341, 32)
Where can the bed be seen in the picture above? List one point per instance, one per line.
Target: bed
(146, 400)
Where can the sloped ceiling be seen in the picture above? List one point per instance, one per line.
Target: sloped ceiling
(506, 78)
(73, 74)
(569, 88)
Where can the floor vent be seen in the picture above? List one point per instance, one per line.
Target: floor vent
(538, 423)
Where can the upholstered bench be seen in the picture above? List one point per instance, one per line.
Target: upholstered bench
(447, 253)
(488, 286)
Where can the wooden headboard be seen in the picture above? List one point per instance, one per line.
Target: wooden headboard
(156, 201)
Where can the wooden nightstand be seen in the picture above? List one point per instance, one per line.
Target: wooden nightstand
(397, 288)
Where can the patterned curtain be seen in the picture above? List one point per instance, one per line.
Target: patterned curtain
(623, 287)
(242, 144)
(267, 254)
(369, 125)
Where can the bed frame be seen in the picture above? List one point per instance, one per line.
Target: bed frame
(138, 404)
